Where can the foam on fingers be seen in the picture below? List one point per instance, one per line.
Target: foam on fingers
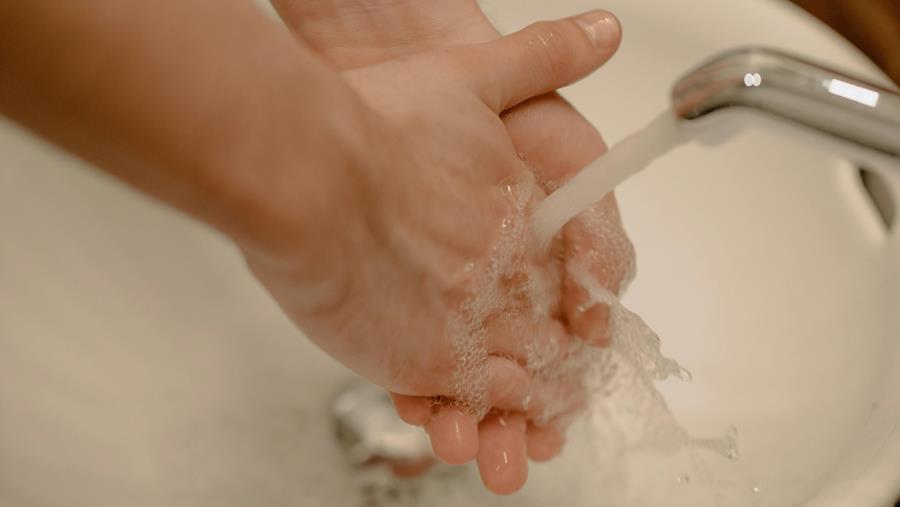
(508, 384)
(502, 458)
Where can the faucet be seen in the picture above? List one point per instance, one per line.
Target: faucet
(737, 89)
(753, 86)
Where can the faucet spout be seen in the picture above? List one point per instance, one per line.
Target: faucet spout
(747, 86)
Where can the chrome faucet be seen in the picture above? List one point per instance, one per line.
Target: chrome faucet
(749, 86)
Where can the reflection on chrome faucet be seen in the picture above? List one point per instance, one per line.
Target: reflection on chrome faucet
(745, 86)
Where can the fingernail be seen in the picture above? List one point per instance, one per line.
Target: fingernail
(601, 27)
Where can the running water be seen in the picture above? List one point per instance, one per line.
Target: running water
(623, 160)
(632, 362)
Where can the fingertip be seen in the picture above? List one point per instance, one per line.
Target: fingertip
(540, 58)
(602, 28)
(454, 435)
(543, 442)
(502, 457)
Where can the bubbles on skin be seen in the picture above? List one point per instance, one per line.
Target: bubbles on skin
(613, 259)
(616, 384)
(487, 297)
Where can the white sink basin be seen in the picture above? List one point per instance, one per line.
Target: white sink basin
(141, 365)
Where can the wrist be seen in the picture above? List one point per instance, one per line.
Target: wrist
(289, 180)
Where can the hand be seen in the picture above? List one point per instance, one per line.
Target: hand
(553, 139)
(503, 373)
(240, 139)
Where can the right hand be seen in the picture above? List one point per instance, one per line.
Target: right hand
(454, 432)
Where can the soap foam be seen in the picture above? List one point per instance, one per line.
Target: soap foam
(615, 385)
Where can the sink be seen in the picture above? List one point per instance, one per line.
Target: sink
(140, 364)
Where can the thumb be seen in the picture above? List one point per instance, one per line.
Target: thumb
(538, 59)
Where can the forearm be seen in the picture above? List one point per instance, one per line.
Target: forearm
(205, 105)
(357, 32)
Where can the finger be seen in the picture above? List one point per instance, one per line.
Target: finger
(553, 139)
(543, 442)
(502, 459)
(509, 384)
(538, 59)
(588, 320)
(410, 469)
(414, 410)
(537, 384)
(556, 142)
(454, 435)
(511, 387)
(527, 342)
(596, 246)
